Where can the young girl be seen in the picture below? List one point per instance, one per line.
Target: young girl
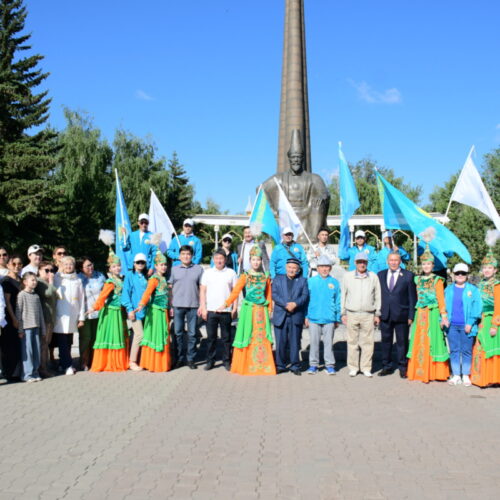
(486, 353)
(253, 353)
(427, 351)
(29, 316)
(155, 355)
(110, 350)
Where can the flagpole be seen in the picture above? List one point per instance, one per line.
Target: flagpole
(121, 204)
(458, 180)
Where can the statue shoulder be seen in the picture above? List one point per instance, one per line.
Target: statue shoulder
(319, 184)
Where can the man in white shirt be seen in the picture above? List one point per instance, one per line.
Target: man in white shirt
(244, 251)
(216, 285)
(35, 257)
(322, 247)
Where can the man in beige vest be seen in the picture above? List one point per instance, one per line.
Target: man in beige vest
(360, 306)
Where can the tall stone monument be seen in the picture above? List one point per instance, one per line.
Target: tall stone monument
(306, 191)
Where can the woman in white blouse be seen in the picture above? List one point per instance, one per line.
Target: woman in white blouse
(70, 311)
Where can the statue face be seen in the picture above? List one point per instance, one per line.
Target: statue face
(295, 160)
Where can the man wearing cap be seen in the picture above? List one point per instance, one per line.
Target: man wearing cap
(35, 257)
(288, 249)
(360, 306)
(216, 285)
(244, 251)
(231, 258)
(399, 297)
(323, 315)
(360, 246)
(322, 248)
(464, 307)
(185, 238)
(140, 242)
(388, 246)
(290, 296)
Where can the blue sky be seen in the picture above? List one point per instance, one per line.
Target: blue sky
(411, 85)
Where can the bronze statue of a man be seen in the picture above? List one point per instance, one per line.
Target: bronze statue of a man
(306, 192)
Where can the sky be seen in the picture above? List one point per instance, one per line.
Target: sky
(411, 85)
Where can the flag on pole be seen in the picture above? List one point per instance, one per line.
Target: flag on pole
(470, 190)
(349, 202)
(401, 213)
(159, 222)
(286, 214)
(122, 229)
(262, 218)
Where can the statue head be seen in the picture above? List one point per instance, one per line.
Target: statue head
(296, 153)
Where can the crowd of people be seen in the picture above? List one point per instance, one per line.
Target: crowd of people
(148, 317)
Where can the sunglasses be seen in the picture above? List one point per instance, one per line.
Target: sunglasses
(460, 273)
(49, 270)
(140, 262)
(289, 234)
(144, 222)
(4, 254)
(227, 239)
(60, 253)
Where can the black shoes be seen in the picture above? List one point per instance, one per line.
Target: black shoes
(402, 374)
(227, 365)
(209, 365)
(385, 371)
(179, 364)
(296, 372)
(281, 370)
(191, 365)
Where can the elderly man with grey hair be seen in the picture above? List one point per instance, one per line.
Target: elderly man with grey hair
(360, 306)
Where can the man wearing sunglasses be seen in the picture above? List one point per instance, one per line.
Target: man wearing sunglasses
(140, 242)
(187, 237)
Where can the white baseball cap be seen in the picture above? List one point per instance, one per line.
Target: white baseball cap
(140, 256)
(188, 222)
(34, 249)
(143, 216)
(387, 234)
(227, 235)
(461, 267)
(359, 233)
(287, 230)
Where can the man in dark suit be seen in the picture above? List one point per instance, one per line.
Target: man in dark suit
(290, 296)
(399, 297)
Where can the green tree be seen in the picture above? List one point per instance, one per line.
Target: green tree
(466, 222)
(26, 161)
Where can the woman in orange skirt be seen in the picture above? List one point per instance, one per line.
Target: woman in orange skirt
(427, 351)
(253, 354)
(110, 348)
(155, 353)
(486, 353)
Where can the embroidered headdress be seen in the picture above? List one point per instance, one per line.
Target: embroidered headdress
(492, 236)
(108, 238)
(256, 251)
(427, 235)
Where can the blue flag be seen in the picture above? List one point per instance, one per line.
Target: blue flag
(349, 203)
(262, 218)
(123, 230)
(401, 213)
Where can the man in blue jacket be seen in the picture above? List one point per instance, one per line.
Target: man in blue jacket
(360, 246)
(290, 296)
(185, 238)
(286, 250)
(140, 242)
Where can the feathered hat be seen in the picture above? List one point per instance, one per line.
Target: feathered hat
(256, 251)
(492, 236)
(159, 257)
(108, 238)
(427, 235)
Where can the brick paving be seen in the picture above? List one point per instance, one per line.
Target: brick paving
(202, 435)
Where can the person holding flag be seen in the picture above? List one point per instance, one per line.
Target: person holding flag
(140, 242)
(321, 249)
(185, 238)
(360, 246)
(288, 249)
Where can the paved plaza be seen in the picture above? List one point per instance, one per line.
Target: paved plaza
(202, 435)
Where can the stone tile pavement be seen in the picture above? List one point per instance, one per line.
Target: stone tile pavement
(202, 435)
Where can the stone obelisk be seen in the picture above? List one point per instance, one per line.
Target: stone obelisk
(294, 110)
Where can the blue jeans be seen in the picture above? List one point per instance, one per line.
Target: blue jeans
(188, 314)
(460, 350)
(30, 353)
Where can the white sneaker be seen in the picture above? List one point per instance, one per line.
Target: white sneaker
(367, 374)
(454, 380)
(70, 371)
(466, 380)
(353, 373)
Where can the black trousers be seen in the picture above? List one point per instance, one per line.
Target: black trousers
(214, 321)
(387, 329)
(10, 344)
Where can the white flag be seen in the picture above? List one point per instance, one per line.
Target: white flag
(286, 213)
(470, 190)
(159, 222)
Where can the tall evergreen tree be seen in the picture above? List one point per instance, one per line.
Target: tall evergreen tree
(26, 161)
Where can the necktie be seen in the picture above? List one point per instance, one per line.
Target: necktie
(391, 281)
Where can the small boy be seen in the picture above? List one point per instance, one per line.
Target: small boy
(29, 315)
(323, 315)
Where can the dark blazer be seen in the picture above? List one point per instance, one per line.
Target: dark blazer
(265, 257)
(398, 305)
(299, 295)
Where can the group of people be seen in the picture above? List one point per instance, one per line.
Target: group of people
(124, 320)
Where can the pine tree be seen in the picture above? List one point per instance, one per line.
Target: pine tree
(26, 161)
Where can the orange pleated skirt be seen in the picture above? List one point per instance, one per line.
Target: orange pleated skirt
(156, 361)
(109, 360)
(484, 371)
